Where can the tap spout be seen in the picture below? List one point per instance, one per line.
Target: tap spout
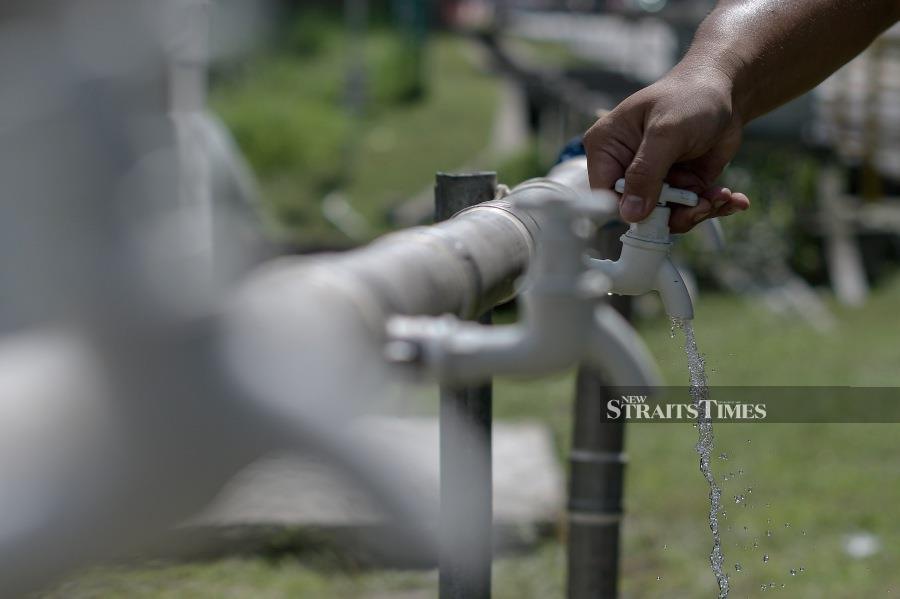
(674, 293)
(645, 265)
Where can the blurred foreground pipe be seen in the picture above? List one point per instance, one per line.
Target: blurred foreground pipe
(465, 423)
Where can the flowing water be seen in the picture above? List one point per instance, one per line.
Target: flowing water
(705, 442)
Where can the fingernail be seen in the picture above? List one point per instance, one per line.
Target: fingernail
(632, 208)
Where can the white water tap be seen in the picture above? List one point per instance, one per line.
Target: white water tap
(645, 264)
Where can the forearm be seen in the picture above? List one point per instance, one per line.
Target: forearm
(770, 51)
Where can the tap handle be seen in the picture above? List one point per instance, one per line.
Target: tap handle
(668, 195)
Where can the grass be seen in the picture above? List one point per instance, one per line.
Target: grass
(401, 151)
(824, 480)
(287, 112)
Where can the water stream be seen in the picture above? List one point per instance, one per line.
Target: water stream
(700, 398)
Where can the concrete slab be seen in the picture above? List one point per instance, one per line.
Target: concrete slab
(290, 492)
(296, 490)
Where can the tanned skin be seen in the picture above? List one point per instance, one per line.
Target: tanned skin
(747, 58)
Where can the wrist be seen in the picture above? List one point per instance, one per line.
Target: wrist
(714, 80)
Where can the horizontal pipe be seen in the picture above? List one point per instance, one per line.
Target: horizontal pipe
(463, 266)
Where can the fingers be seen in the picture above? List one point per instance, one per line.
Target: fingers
(604, 169)
(717, 201)
(622, 144)
(644, 176)
(606, 153)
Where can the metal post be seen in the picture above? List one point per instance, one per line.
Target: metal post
(597, 473)
(595, 493)
(465, 429)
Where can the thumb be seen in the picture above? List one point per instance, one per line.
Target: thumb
(644, 177)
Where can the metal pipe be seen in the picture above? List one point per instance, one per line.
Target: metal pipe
(597, 464)
(596, 488)
(466, 517)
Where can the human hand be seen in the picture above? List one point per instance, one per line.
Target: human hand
(682, 130)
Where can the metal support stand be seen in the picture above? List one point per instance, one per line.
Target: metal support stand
(597, 474)
(465, 429)
(595, 493)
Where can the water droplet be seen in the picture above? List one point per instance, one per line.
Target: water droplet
(803, 532)
(748, 441)
(802, 569)
(793, 571)
(765, 558)
(665, 547)
(659, 578)
(787, 524)
(738, 566)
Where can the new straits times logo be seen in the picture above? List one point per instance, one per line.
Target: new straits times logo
(636, 407)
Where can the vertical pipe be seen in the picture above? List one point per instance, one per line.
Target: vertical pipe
(465, 429)
(595, 493)
(596, 479)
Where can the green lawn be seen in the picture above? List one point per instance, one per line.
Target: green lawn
(825, 481)
(287, 112)
(401, 151)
